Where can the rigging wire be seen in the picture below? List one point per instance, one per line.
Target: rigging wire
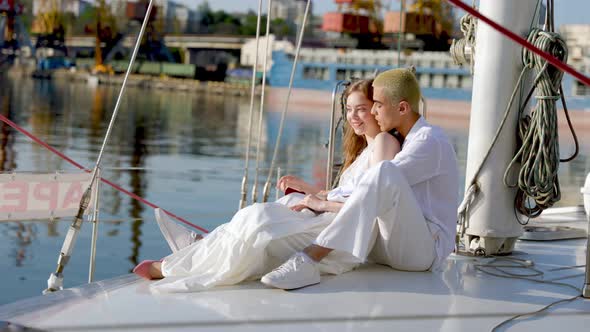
(261, 109)
(244, 188)
(266, 190)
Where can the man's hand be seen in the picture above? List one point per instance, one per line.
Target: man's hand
(311, 202)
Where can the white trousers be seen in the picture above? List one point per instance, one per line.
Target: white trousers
(279, 250)
(382, 221)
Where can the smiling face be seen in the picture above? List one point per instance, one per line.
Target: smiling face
(358, 114)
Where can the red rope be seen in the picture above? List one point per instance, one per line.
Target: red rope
(551, 59)
(112, 184)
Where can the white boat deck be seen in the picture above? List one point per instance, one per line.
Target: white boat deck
(375, 298)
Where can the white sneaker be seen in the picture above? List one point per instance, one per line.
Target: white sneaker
(297, 272)
(177, 236)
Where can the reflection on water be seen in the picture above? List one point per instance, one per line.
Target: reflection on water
(7, 153)
(138, 185)
(182, 151)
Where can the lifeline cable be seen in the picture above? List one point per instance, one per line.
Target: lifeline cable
(76, 164)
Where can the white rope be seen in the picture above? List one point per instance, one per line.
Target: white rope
(502, 271)
(284, 113)
(536, 312)
(539, 151)
(244, 191)
(261, 110)
(463, 50)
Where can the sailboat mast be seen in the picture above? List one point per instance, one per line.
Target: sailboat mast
(492, 227)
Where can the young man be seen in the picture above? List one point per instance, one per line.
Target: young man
(403, 211)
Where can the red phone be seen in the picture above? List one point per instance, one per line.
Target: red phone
(291, 190)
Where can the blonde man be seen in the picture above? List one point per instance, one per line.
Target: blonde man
(403, 211)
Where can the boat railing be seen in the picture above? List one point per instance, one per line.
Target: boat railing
(330, 178)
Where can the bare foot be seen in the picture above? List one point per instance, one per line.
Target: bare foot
(143, 269)
(156, 270)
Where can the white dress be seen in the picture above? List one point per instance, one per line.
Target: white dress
(259, 238)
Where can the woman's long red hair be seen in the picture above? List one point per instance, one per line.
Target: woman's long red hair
(354, 144)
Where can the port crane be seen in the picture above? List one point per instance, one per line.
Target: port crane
(369, 21)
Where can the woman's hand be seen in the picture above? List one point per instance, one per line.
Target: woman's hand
(322, 194)
(293, 182)
(311, 202)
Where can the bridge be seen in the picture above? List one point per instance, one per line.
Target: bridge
(200, 50)
(178, 41)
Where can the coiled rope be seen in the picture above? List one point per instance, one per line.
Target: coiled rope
(538, 140)
(463, 50)
(538, 136)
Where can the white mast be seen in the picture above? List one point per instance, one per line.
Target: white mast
(491, 224)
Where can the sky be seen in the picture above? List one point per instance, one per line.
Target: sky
(566, 11)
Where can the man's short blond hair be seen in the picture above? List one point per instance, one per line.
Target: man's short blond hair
(400, 84)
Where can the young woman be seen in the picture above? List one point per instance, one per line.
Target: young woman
(261, 236)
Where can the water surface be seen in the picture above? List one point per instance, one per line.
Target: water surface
(183, 151)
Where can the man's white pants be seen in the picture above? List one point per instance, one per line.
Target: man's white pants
(382, 221)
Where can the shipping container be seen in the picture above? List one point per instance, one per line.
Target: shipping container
(416, 23)
(346, 23)
(137, 10)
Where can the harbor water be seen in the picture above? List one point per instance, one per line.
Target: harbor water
(181, 150)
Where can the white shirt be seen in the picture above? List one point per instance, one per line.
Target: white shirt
(428, 161)
(351, 176)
